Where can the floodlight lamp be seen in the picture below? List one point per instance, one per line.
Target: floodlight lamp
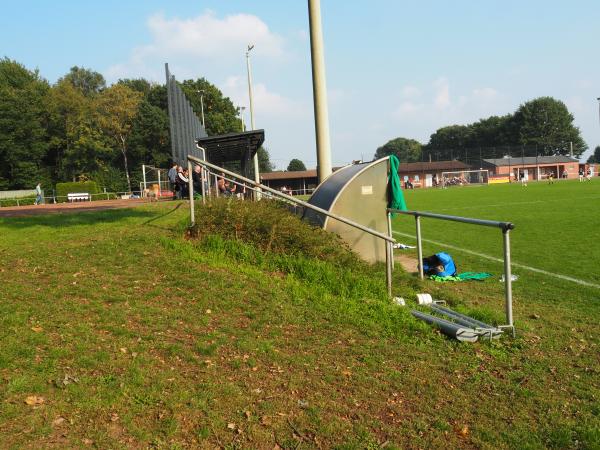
(250, 47)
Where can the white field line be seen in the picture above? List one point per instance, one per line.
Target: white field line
(492, 258)
(562, 200)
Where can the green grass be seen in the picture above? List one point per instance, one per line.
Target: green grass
(139, 336)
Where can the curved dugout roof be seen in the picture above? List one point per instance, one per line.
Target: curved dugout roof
(357, 192)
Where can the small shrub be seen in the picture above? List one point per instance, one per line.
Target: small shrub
(269, 226)
(62, 189)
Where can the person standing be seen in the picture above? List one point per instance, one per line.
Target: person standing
(551, 177)
(523, 179)
(182, 183)
(38, 195)
(580, 175)
(172, 175)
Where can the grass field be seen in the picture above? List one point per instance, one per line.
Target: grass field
(556, 225)
(119, 330)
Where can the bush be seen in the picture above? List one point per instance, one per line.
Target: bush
(29, 200)
(62, 189)
(271, 227)
(111, 178)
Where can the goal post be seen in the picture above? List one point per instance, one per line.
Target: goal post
(465, 177)
(155, 182)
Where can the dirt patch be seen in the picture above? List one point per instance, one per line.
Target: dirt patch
(33, 210)
(408, 262)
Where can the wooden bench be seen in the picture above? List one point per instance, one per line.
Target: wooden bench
(78, 197)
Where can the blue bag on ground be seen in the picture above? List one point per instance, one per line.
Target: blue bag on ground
(440, 264)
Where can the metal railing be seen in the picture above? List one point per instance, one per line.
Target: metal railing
(505, 227)
(28, 201)
(251, 183)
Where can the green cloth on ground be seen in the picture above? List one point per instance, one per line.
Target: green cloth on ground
(480, 276)
(395, 195)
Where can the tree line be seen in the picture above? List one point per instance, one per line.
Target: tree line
(543, 126)
(80, 129)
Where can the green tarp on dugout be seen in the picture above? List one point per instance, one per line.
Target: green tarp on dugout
(395, 195)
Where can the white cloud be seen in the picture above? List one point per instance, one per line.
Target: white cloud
(485, 94)
(410, 91)
(406, 109)
(266, 103)
(442, 96)
(198, 41)
(435, 107)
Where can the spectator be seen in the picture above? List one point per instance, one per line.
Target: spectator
(38, 195)
(523, 177)
(172, 175)
(589, 175)
(197, 179)
(182, 183)
(580, 175)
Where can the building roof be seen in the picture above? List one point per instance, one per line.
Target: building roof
(232, 146)
(285, 175)
(432, 166)
(291, 175)
(530, 160)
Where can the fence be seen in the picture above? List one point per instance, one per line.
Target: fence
(184, 125)
(474, 156)
(504, 226)
(25, 201)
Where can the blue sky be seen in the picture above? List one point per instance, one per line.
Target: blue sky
(394, 68)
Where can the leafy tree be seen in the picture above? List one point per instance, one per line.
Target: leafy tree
(137, 84)
(595, 157)
(493, 131)
(407, 150)
(77, 146)
(149, 141)
(264, 161)
(296, 165)
(23, 139)
(220, 115)
(117, 109)
(450, 137)
(547, 123)
(86, 80)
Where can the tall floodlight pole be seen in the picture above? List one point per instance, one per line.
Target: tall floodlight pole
(201, 92)
(319, 90)
(256, 172)
(598, 109)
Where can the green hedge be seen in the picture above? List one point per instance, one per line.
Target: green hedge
(30, 200)
(62, 189)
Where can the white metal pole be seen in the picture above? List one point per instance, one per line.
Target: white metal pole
(419, 247)
(191, 193)
(144, 178)
(159, 189)
(202, 111)
(388, 268)
(256, 172)
(319, 91)
(507, 279)
(389, 225)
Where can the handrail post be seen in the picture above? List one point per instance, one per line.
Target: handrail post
(419, 246)
(389, 225)
(191, 193)
(507, 279)
(202, 181)
(388, 268)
